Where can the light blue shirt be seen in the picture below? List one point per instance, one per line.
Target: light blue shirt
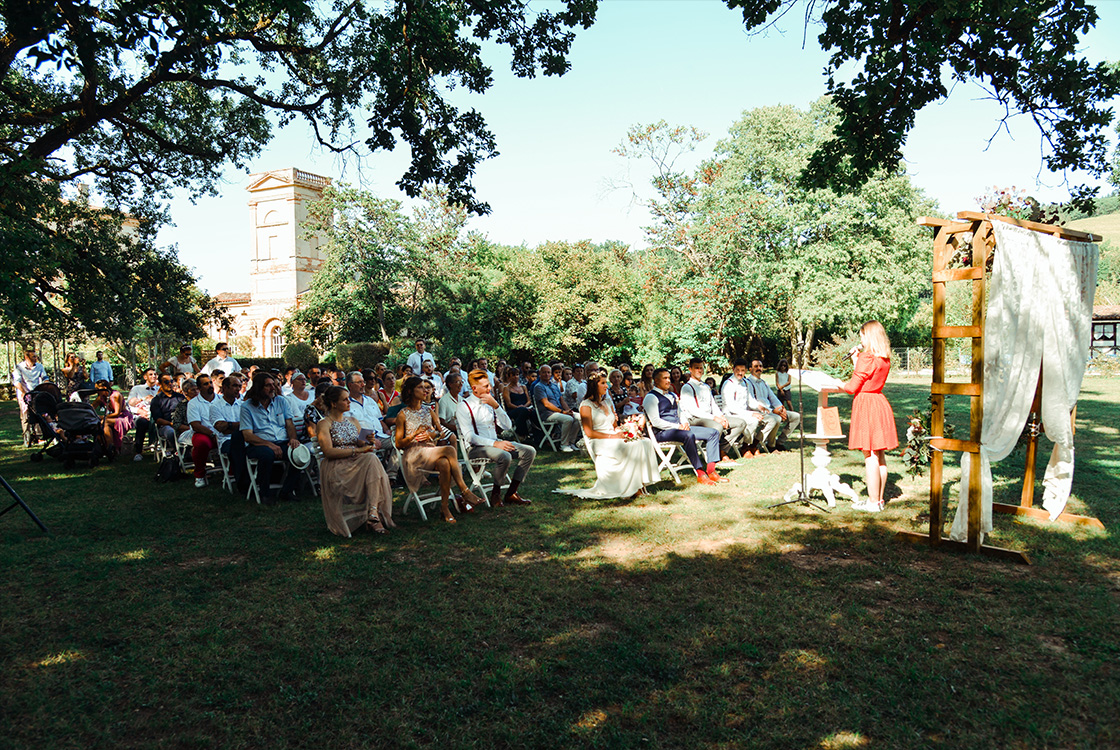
(101, 371)
(549, 390)
(223, 411)
(268, 423)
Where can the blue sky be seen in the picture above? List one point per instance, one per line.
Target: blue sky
(688, 62)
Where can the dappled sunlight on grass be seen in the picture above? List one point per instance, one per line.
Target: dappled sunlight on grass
(54, 660)
(133, 556)
(844, 741)
(323, 554)
(590, 721)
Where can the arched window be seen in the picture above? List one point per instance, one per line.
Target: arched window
(277, 341)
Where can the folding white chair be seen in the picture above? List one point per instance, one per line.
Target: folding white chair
(253, 493)
(549, 428)
(227, 472)
(476, 469)
(414, 497)
(665, 452)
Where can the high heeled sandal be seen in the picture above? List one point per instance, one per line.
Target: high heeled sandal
(373, 523)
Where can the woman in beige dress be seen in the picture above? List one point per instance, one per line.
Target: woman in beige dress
(355, 487)
(418, 431)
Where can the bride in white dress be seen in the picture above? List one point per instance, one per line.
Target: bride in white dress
(623, 468)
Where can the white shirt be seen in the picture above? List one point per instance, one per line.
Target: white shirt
(483, 428)
(436, 381)
(761, 395)
(187, 368)
(696, 401)
(144, 394)
(223, 411)
(198, 410)
(227, 365)
(736, 397)
(574, 393)
(448, 406)
(649, 406)
(416, 360)
(297, 407)
(368, 414)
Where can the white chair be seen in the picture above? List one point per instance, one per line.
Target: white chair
(414, 497)
(227, 472)
(665, 454)
(549, 429)
(476, 469)
(253, 493)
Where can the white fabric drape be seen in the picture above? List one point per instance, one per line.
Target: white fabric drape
(1040, 310)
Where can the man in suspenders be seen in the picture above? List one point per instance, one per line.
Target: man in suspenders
(481, 419)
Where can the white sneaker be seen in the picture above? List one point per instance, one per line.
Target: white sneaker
(566, 448)
(138, 457)
(200, 482)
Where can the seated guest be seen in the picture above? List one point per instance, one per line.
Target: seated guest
(118, 419)
(454, 366)
(188, 389)
(589, 368)
(633, 405)
(526, 370)
(163, 408)
(203, 437)
(418, 435)
(140, 404)
(616, 391)
(782, 384)
(515, 399)
(317, 409)
(774, 415)
(269, 433)
(449, 401)
(354, 485)
(698, 406)
(313, 374)
(622, 468)
(222, 361)
(575, 390)
(225, 418)
(481, 420)
(428, 373)
(736, 401)
(364, 409)
(387, 394)
(662, 409)
(645, 383)
(676, 379)
(550, 405)
(483, 364)
(299, 399)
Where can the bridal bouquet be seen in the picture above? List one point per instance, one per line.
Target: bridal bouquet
(630, 428)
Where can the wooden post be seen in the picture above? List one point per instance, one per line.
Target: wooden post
(941, 253)
(981, 239)
(1026, 498)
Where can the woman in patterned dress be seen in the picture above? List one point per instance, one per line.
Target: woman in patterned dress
(418, 432)
(355, 487)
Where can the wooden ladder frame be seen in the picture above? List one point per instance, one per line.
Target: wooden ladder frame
(946, 242)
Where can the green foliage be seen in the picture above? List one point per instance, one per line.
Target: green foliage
(917, 451)
(360, 355)
(264, 363)
(300, 354)
(742, 251)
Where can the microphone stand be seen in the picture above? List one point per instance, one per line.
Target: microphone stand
(802, 496)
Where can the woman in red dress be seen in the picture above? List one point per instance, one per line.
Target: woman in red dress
(872, 429)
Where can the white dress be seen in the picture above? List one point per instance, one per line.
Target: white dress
(622, 467)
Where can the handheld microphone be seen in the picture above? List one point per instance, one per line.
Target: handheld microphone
(855, 349)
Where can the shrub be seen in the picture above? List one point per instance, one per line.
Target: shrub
(264, 363)
(362, 354)
(300, 354)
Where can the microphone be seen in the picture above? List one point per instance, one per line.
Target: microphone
(855, 350)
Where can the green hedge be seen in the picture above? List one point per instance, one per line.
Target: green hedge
(300, 354)
(359, 355)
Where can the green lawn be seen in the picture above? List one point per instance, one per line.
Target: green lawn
(164, 616)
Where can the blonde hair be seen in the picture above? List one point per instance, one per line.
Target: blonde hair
(876, 337)
(477, 376)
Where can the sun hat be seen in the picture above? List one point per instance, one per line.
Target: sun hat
(300, 456)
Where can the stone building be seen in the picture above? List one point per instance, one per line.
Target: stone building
(281, 261)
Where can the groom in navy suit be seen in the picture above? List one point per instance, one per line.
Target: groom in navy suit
(663, 412)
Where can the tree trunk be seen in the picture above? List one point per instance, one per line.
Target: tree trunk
(381, 320)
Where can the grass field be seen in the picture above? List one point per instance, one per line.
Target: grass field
(1108, 226)
(164, 616)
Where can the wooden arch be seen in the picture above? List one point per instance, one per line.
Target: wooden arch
(948, 239)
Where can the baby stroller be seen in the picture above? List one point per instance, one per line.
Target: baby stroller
(71, 429)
